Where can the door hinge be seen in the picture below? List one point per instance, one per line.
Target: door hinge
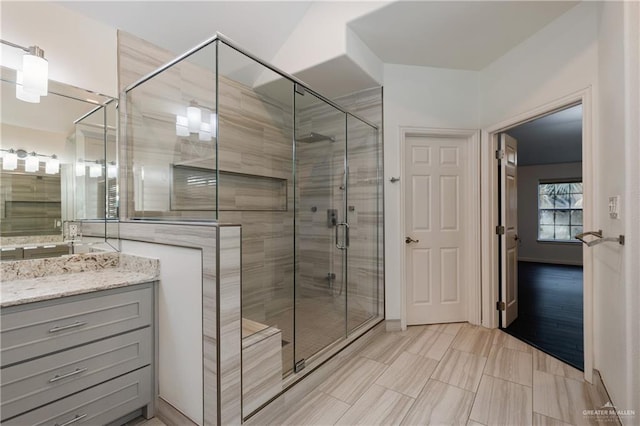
(500, 305)
(500, 154)
(299, 89)
(500, 229)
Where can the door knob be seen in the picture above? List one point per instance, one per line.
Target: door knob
(410, 240)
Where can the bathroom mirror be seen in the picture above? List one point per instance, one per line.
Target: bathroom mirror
(58, 171)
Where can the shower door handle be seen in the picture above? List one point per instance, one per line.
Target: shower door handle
(344, 245)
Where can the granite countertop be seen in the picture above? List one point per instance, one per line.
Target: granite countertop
(28, 281)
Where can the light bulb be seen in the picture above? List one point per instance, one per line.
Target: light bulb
(182, 125)
(36, 72)
(194, 116)
(95, 170)
(80, 168)
(22, 94)
(31, 163)
(52, 165)
(205, 132)
(10, 160)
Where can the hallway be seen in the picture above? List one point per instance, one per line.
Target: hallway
(445, 374)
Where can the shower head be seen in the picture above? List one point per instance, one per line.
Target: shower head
(315, 137)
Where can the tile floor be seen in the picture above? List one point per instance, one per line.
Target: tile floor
(448, 374)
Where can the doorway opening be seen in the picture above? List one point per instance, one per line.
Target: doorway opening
(541, 261)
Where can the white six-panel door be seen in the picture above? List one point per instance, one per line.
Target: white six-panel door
(509, 239)
(436, 187)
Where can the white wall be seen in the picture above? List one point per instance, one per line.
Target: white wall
(530, 249)
(558, 60)
(418, 97)
(81, 51)
(179, 324)
(617, 317)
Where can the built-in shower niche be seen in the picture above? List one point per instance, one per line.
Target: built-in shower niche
(237, 191)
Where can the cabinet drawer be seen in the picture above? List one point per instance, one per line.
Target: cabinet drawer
(40, 328)
(98, 405)
(34, 383)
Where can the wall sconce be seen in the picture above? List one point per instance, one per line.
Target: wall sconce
(196, 121)
(32, 81)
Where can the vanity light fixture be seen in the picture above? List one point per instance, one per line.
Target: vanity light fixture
(52, 166)
(95, 170)
(33, 80)
(112, 170)
(10, 160)
(31, 163)
(198, 120)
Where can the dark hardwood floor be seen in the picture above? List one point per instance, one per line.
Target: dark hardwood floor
(550, 310)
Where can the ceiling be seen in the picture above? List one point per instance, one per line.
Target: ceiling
(180, 25)
(448, 34)
(552, 139)
(466, 35)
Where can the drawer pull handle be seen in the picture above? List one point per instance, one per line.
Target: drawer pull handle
(66, 327)
(64, 376)
(77, 418)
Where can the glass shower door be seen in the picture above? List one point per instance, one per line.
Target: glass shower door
(363, 192)
(321, 231)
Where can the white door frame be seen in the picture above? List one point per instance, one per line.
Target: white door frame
(489, 183)
(471, 275)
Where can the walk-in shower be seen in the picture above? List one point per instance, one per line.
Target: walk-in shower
(219, 135)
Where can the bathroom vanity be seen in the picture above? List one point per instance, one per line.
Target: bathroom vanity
(78, 347)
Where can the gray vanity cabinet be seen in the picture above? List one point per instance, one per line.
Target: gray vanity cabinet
(78, 359)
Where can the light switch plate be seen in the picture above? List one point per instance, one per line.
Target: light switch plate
(614, 207)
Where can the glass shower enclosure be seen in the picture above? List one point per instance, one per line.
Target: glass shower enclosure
(220, 135)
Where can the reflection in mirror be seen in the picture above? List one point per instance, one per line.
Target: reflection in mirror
(58, 180)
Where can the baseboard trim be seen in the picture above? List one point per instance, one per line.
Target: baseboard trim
(393, 325)
(552, 261)
(170, 415)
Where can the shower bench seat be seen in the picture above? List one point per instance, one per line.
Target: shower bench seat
(261, 364)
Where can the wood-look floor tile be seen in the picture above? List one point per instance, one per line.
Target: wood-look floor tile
(440, 404)
(510, 364)
(503, 339)
(430, 344)
(449, 328)
(386, 348)
(461, 369)
(499, 402)
(548, 364)
(562, 398)
(408, 374)
(474, 339)
(541, 420)
(378, 406)
(352, 380)
(317, 408)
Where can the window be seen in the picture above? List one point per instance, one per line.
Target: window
(559, 211)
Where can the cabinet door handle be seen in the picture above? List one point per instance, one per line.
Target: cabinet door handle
(77, 418)
(67, 327)
(64, 376)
